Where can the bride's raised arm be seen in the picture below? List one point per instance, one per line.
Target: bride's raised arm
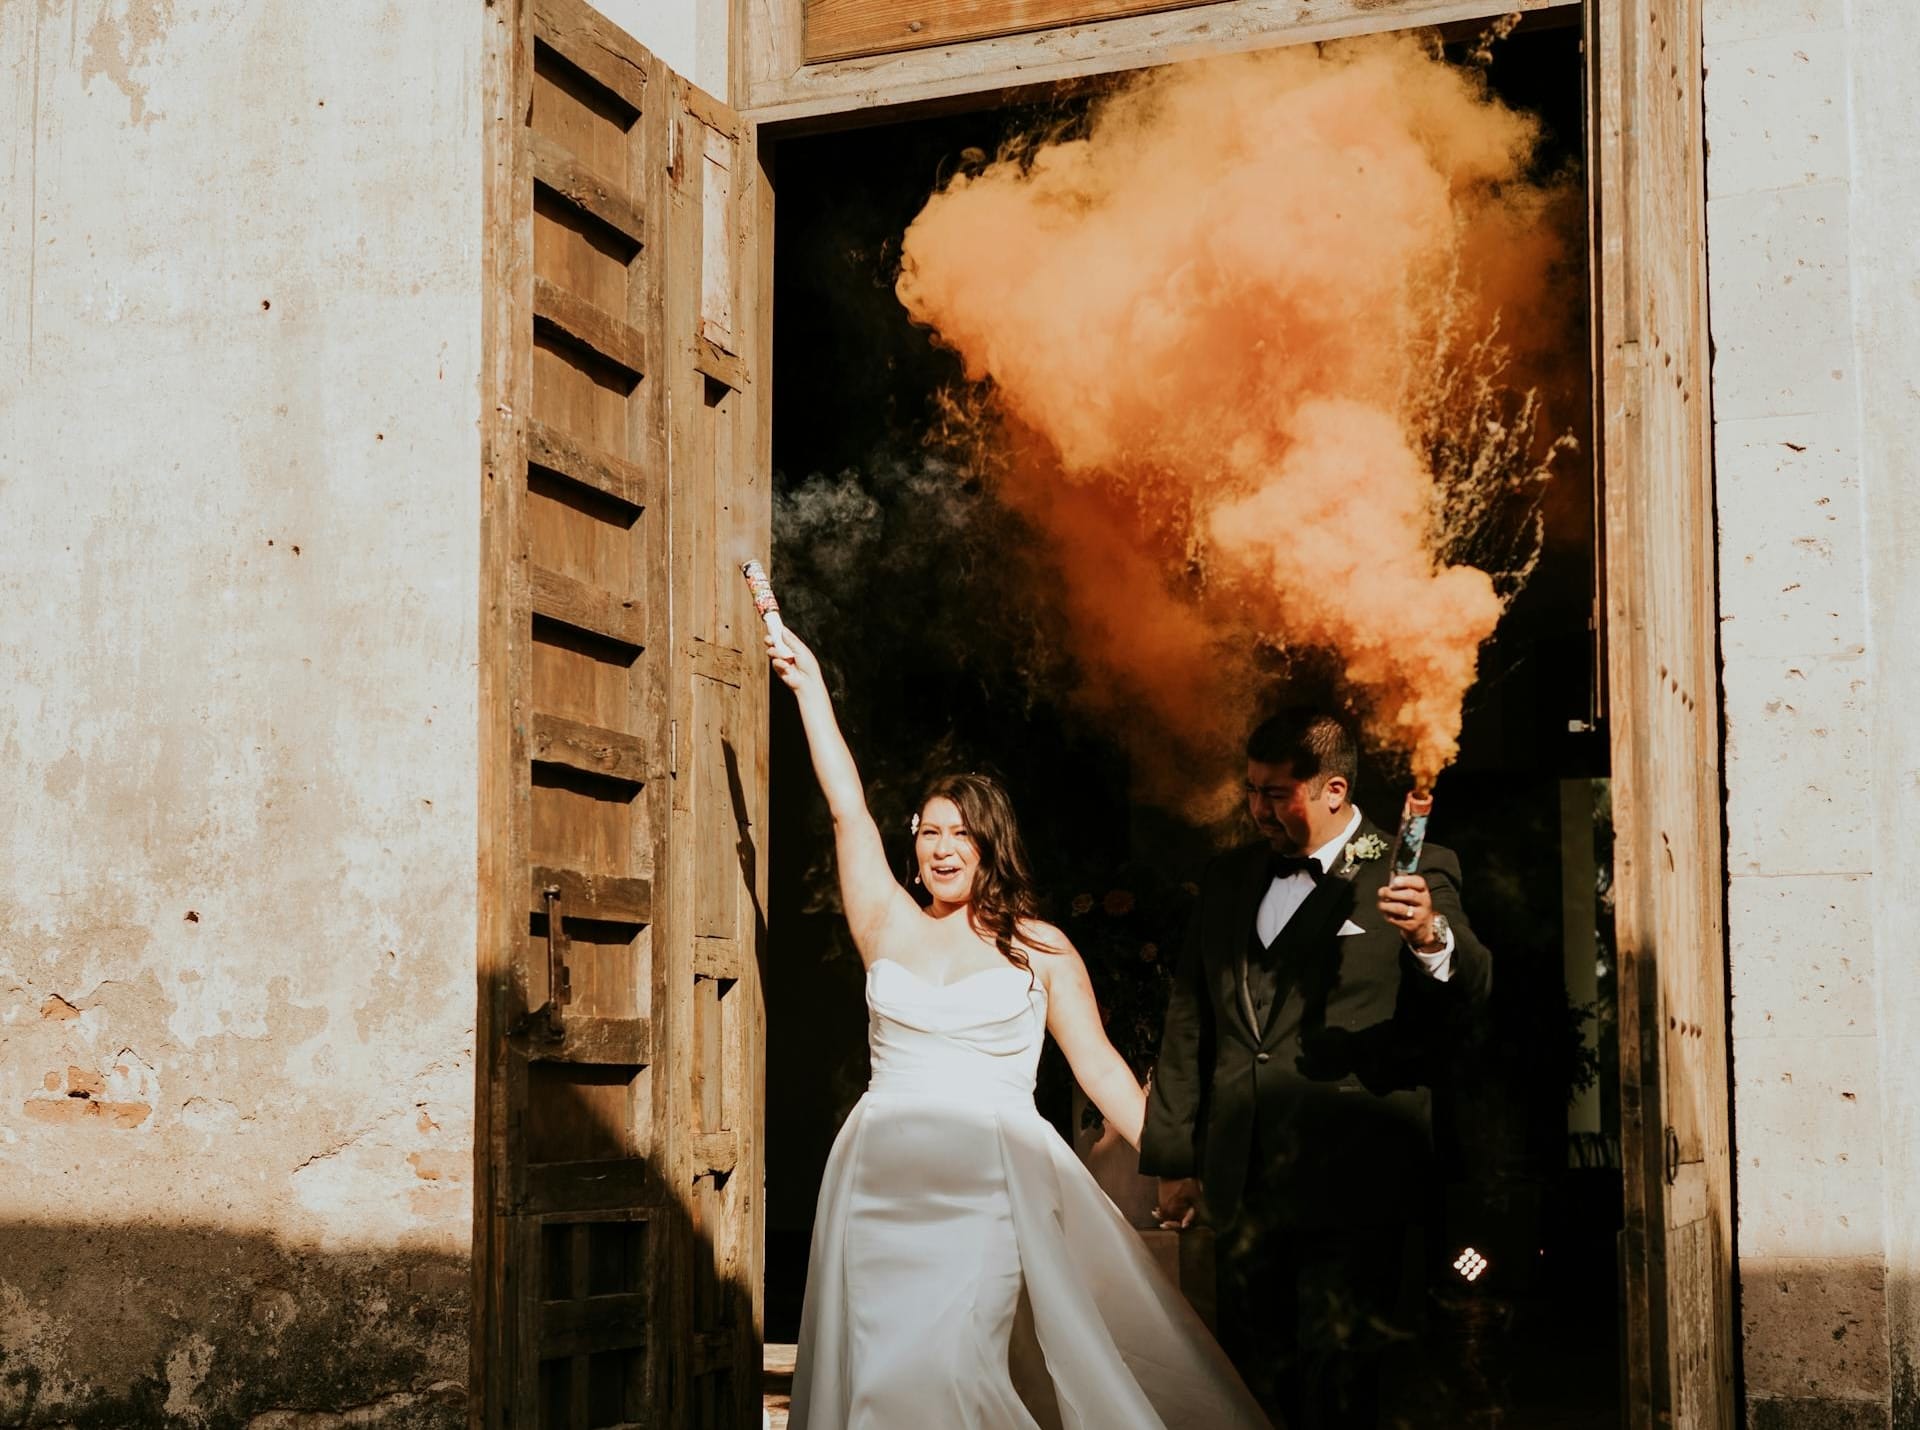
(869, 893)
(1073, 1017)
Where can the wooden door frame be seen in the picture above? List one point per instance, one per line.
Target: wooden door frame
(1640, 542)
(506, 397)
(773, 86)
(1656, 448)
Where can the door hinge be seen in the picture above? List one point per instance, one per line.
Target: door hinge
(673, 748)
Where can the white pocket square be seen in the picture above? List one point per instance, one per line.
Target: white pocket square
(1350, 927)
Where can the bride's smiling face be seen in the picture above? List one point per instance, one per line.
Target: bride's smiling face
(945, 852)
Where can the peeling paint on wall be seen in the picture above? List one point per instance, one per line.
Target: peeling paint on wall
(119, 42)
(122, 1096)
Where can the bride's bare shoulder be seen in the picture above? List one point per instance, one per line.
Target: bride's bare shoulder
(1044, 943)
(1041, 935)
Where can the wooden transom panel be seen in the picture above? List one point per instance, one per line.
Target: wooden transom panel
(844, 29)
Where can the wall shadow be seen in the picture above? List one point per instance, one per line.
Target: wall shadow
(118, 1326)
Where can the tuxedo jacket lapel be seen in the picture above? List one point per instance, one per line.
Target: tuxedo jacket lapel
(1250, 889)
(1305, 932)
(1331, 898)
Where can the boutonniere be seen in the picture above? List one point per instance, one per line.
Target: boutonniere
(1358, 851)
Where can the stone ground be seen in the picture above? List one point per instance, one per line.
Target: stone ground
(777, 1384)
(1563, 1383)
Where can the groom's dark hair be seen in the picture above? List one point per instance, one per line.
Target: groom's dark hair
(1315, 743)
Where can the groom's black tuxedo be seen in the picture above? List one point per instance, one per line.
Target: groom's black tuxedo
(1333, 1093)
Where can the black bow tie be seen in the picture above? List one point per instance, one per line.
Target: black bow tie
(1285, 865)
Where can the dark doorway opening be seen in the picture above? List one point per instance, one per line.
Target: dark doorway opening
(888, 553)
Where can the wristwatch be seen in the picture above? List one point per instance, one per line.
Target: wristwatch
(1441, 930)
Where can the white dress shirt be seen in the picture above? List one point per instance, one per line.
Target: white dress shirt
(1285, 896)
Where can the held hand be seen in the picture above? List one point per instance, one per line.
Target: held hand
(797, 667)
(1407, 904)
(1178, 1202)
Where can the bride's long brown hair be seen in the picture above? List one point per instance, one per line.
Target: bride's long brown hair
(1003, 893)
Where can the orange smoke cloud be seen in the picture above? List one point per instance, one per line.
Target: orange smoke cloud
(1205, 324)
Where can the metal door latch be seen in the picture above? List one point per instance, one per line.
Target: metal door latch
(545, 1022)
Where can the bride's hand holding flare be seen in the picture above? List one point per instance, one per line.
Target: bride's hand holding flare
(794, 662)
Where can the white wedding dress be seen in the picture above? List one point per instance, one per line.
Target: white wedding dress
(945, 1194)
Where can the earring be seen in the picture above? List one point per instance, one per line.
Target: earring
(916, 878)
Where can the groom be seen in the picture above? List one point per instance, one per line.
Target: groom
(1313, 1005)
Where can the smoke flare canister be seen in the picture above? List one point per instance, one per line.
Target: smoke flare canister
(1412, 837)
(767, 605)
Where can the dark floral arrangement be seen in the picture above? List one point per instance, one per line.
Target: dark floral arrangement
(1128, 927)
(1129, 935)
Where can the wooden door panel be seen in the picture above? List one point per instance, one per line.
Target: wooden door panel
(1648, 165)
(578, 249)
(722, 886)
(581, 1112)
(577, 676)
(722, 516)
(602, 961)
(578, 393)
(581, 532)
(620, 1235)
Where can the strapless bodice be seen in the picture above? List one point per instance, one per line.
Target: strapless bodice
(977, 1039)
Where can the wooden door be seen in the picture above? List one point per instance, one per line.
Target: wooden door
(618, 1207)
(719, 451)
(1663, 670)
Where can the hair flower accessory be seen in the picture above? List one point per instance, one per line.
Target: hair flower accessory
(1358, 851)
(913, 825)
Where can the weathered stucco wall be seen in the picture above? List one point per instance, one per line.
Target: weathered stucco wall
(1812, 121)
(1884, 214)
(239, 305)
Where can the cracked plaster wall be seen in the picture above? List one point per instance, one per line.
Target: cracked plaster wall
(1813, 114)
(239, 360)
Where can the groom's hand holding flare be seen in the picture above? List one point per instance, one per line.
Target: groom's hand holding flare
(1407, 904)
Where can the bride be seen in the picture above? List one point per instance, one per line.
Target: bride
(946, 1193)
